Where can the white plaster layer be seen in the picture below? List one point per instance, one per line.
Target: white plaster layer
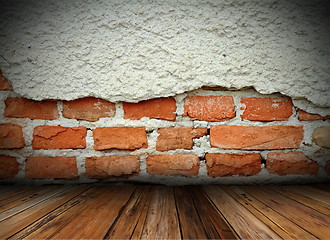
(135, 50)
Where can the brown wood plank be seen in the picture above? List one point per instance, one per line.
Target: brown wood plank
(313, 193)
(50, 228)
(323, 186)
(246, 225)
(190, 223)
(317, 205)
(96, 217)
(22, 207)
(161, 220)
(14, 192)
(278, 223)
(34, 227)
(125, 224)
(307, 218)
(214, 223)
(29, 215)
(25, 197)
(8, 188)
(137, 233)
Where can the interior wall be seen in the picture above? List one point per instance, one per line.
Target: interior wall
(199, 137)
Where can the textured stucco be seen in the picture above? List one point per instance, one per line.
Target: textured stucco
(135, 50)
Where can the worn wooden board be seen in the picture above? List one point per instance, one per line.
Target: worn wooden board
(91, 219)
(35, 227)
(277, 222)
(242, 220)
(190, 223)
(307, 218)
(214, 223)
(320, 206)
(24, 216)
(126, 223)
(161, 220)
(160, 212)
(23, 197)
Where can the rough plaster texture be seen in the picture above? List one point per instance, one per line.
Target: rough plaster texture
(135, 50)
(201, 145)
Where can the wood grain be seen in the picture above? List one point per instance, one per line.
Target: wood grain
(126, 223)
(162, 220)
(298, 196)
(307, 218)
(243, 221)
(93, 217)
(162, 212)
(190, 223)
(277, 222)
(26, 215)
(214, 223)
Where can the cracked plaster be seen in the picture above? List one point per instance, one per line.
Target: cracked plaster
(136, 50)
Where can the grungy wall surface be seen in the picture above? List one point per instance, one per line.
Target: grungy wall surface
(200, 137)
(136, 50)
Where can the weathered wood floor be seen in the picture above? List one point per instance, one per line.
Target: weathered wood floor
(159, 212)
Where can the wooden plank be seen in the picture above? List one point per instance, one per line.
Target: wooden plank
(34, 227)
(246, 225)
(25, 197)
(21, 219)
(162, 220)
(96, 217)
(307, 218)
(214, 223)
(278, 223)
(50, 228)
(8, 188)
(22, 207)
(313, 193)
(137, 233)
(317, 205)
(14, 192)
(190, 223)
(323, 186)
(125, 224)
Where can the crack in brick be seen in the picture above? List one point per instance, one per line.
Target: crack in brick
(48, 135)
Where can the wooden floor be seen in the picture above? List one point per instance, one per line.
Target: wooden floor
(159, 212)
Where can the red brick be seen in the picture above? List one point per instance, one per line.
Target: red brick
(281, 163)
(173, 165)
(89, 109)
(228, 164)
(58, 137)
(266, 109)
(125, 138)
(255, 138)
(4, 84)
(11, 136)
(160, 108)
(112, 166)
(305, 116)
(51, 167)
(178, 138)
(25, 108)
(327, 167)
(209, 108)
(8, 167)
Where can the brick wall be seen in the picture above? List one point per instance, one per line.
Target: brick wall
(203, 136)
